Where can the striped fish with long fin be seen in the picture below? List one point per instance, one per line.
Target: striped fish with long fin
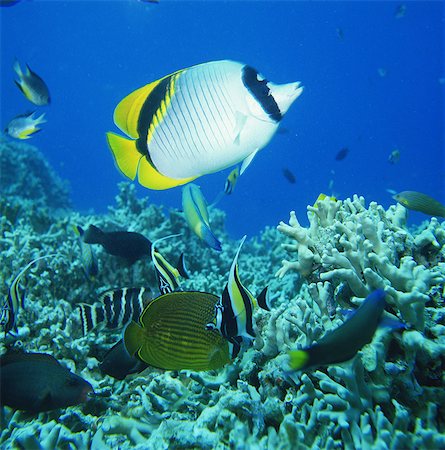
(115, 308)
(197, 121)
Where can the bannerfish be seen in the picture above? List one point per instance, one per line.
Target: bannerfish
(115, 308)
(117, 363)
(128, 245)
(394, 156)
(197, 121)
(233, 315)
(342, 154)
(343, 343)
(417, 201)
(15, 299)
(167, 275)
(32, 86)
(171, 333)
(37, 382)
(289, 176)
(24, 126)
(87, 256)
(196, 215)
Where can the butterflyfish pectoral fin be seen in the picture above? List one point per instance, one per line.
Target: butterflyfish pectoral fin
(125, 153)
(240, 121)
(133, 338)
(247, 162)
(149, 177)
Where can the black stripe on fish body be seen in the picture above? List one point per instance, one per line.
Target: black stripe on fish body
(87, 318)
(261, 92)
(148, 111)
(229, 325)
(262, 299)
(164, 270)
(108, 303)
(247, 304)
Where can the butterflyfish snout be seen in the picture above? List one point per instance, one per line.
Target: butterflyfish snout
(285, 94)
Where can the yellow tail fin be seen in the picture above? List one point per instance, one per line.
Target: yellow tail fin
(298, 359)
(125, 154)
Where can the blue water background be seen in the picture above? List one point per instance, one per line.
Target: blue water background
(94, 53)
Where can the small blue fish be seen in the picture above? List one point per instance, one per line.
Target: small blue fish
(234, 310)
(15, 300)
(194, 206)
(167, 275)
(87, 256)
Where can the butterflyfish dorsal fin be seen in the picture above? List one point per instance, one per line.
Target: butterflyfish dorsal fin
(126, 114)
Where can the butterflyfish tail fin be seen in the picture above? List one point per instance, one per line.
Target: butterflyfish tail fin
(263, 299)
(132, 338)
(298, 359)
(125, 153)
(182, 269)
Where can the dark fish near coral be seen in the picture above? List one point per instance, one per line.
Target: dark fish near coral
(417, 201)
(24, 126)
(196, 215)
(15, 300)
(197, 121)
(37, 382)
(87, 256)
(344, 342)
(32, 86)
(234, 311)
(115, 309)
(171, 333)
(342, 154)
(167, 275)
(118, 363)
(127, 244)
(289, 176)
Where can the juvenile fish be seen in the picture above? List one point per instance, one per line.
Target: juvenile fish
(417, 201)
(32, 86)
(24, 126)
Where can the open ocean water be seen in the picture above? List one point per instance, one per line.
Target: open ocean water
(373, 77)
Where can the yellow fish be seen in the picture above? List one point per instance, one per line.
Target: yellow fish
(197, 121)
(172, 335)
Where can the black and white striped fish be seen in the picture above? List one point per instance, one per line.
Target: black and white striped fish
(115, 308)
(197, 121)
(15, 299)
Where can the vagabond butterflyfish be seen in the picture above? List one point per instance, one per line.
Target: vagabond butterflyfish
(343, 343)
(197, 121)
(171, 333)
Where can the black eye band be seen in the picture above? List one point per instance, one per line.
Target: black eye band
(261, 92)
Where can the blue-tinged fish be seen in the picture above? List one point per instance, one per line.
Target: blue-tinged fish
(37, 382)
(129, 245)
(197, 121)
(229, 185)
(342, 154)
(32, 86)
(420, 202)
(234, 310)
(87, 256)
(115, 308)
(196, 215)
(167, 275)
(15, 299)
(343, 343)
(24, 126)
(394, 156)
(171, 333)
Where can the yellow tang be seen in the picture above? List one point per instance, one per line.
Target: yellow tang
(172, 333)
(197, 121)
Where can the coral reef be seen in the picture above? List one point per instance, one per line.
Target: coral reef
(390, 396)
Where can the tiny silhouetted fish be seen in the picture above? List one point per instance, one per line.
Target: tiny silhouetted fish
(32, 86)
(343, 343)
(289, 176)
(118, 363)
(127, 244)
(420, 202)
(400, 11)
(341, 155)
(394, 156)
(37, 382)
(8, 2)
(340, 33)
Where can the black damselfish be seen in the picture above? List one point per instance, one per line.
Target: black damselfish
(127, 244)
(37, 382)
